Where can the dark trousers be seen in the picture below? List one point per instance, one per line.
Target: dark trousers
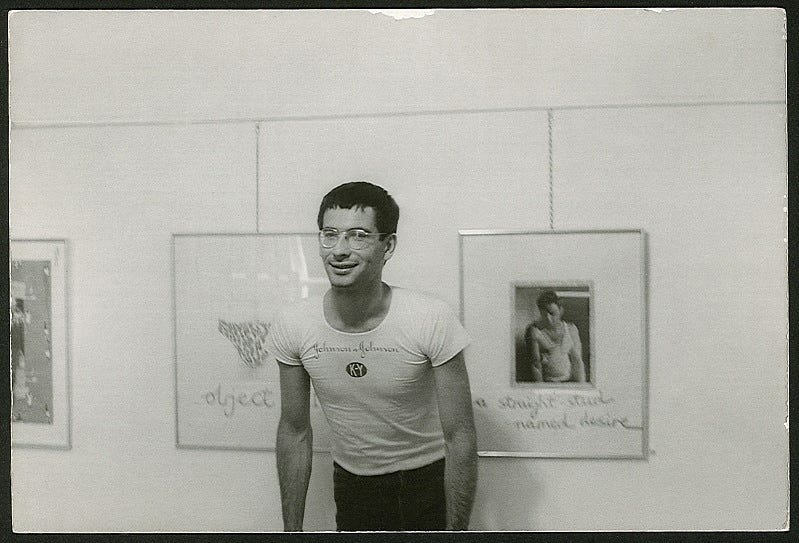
(399, 501)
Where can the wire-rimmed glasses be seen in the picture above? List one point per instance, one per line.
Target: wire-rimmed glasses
(356, 238)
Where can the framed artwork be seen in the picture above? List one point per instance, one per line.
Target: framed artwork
(226, 289)
(40, 403)
(558, 355)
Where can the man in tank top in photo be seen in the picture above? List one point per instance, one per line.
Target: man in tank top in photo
(554, 344)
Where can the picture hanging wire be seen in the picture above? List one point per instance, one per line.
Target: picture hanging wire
(257, 175)
(551, 178)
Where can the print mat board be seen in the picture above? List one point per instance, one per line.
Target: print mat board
(40, 371)
(227, 288)
(600, 276)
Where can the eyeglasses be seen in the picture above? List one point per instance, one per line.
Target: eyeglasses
(356, 238)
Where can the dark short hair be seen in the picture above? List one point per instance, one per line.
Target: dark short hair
(545, 298)
(360, 194)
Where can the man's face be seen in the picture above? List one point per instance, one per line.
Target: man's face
(347, 267)
(553, 313)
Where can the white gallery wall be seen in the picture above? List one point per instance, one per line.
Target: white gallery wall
(127, 127)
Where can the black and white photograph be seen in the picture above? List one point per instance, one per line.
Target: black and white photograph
(552, 334)
(398, 270)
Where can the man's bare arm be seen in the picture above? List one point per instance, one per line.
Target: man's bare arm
(457, 421)
(576, 355)
(294, 447)
(535, 354)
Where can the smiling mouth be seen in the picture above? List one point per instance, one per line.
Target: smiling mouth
(342, 266)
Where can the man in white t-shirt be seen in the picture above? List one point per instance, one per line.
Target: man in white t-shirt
(387, 366)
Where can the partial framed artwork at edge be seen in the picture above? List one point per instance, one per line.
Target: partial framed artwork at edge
(599, 280)
(40, 413)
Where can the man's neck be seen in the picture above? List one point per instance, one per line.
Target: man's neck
(358, 310)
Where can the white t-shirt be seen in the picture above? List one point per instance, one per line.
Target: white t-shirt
(376, 388)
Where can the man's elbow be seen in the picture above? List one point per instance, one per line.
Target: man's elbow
(293, 429)
(462, 437)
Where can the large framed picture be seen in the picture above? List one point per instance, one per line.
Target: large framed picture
(40, 407)
(558, 360)
(226, 290)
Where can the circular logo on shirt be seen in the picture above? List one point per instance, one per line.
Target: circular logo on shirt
(356, 369)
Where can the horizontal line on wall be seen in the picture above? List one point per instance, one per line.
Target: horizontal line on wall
(344, 116)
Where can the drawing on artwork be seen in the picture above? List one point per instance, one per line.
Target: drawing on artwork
(31, 347)
(248, 338)
(38, 344)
